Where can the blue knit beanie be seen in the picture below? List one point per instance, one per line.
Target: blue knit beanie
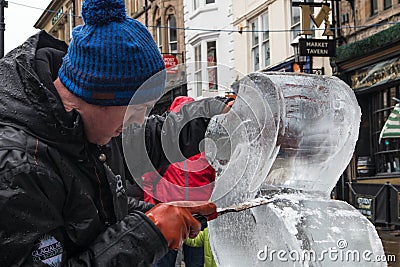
(110, 57)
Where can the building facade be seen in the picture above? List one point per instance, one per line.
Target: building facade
(165, 21)
(267, 30)
(369, 61)
(209, 51)
(58, 19)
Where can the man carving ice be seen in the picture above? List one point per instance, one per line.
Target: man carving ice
(62, 174)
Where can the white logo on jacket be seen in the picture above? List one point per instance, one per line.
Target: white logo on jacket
(49, 251)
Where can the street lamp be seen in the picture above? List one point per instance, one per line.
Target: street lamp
(298, 59)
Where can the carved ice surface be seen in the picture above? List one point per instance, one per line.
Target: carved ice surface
(246, 136)
(288, 138)
(321, 129)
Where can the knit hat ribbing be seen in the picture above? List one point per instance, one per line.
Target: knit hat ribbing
(111, 56)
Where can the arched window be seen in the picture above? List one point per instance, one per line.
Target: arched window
(172, 35)
(159, 29)
(159, 34)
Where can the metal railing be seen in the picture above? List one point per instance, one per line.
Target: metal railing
(380, 203)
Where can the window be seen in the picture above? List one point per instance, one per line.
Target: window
(127, 5)
(201, 3)
(197, 70)
(79, 7)
(196, 4)
(387, 153)
(265, 40)
(374, 7)
(387, 4)
(172, 34)
(70, 23)
(255, 48)
(260, 39)
(295, 21)
(159, 35)
(212, 65)
(136, 6)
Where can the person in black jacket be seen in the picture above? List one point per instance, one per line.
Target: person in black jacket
(63, 198)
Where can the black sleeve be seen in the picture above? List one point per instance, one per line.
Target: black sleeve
(138, 205)
(134, 241)
(33, 230)
(169, 139)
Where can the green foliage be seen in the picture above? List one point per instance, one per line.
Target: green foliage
(368, 44)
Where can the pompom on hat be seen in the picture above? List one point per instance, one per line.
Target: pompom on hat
(111, 56)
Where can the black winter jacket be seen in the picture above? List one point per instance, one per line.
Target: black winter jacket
(60, 203)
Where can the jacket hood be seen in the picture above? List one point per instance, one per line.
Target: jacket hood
(29, 100)
(179, 102)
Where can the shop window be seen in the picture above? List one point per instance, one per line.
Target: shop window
(387, 152)
(172, 34)
(374, 7)
(212, 65)
(387, 4)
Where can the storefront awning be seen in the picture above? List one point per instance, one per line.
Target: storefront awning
(391, 129)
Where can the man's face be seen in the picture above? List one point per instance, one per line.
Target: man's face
(103, 123)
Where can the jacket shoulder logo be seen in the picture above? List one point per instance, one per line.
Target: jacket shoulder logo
(48, 251)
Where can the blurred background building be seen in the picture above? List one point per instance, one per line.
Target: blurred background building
(368, 59)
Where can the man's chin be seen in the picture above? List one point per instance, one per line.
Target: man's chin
(100, 142)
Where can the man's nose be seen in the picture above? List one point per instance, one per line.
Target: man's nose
(137, 117)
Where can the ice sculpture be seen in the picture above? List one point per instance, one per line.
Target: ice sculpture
(288, 138)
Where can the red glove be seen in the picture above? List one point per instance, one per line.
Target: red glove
(176, 222)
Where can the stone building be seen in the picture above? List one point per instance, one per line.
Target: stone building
(58, 19)
(164, 19)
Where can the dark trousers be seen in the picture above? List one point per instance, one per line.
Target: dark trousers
(193, 257)
(168, 260)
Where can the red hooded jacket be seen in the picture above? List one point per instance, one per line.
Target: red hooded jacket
(192, 179)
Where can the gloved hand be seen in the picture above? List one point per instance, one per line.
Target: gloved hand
(227, 101)
(176, 222)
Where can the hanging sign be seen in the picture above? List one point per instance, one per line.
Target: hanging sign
(317, 47)
(171, 64)
(322, 16)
